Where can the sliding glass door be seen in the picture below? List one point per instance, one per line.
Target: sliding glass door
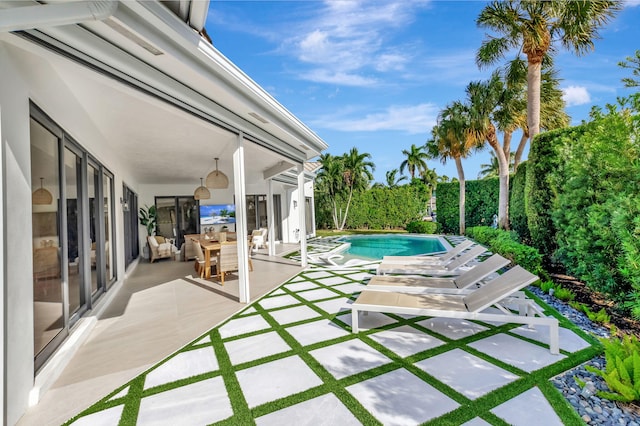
(72, 232)
(177, 217)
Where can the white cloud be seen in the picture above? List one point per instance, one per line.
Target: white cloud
(411, 119)
(631, 3)
(576, 95)
(341, 78)
(351, 38)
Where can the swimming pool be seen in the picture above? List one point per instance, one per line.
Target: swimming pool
(377, 246)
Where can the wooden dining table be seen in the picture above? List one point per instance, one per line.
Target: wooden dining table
(209, 248)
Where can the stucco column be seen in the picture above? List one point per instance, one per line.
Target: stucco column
(271, 220)
(301, 215)
(241, 220)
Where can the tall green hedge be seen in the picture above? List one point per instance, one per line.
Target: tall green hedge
(383, 208)
(517, 212)
(542, 185)
(598, 205)
(378, 208)
(480, 205)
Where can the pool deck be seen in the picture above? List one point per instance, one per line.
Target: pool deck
(291, 358)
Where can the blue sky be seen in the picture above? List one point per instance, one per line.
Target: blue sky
(375, 74)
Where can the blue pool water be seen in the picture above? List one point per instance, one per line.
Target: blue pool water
(377, 246)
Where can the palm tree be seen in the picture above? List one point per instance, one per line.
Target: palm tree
(357, 174)
(451, 139)
(429, 178)
(533, 27)
(552, 106)
(416, 160)
(490, 101)
(492, 168)
(632, 63)
(329, 183)
(392, 179)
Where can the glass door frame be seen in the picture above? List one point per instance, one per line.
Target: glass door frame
(66, 143)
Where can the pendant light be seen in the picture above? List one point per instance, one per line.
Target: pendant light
(41, 195)
(216, 179)
(201, 193)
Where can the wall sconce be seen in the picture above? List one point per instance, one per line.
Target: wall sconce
(295, 204)
(125, 204)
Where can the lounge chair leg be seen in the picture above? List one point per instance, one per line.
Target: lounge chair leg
(554, 338)
(354, 320)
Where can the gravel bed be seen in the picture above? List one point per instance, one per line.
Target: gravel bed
(592, 409)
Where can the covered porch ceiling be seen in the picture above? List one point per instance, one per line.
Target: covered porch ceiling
(165, 101)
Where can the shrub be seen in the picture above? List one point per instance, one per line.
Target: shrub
(622, 369)
(564, 294)
(596, 209)
(547, 285)
(422, 227)
(601, 316)
(506, 244)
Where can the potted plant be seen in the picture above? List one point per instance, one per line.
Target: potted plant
(148, 218)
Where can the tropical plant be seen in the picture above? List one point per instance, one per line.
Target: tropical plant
(340, 177)
(451, 140)
(533, 27)
(329, 186)
(489, 102)
(393, 180)
(632, 63)
(622, 369)
(416, 160)
(148, 218)
(429, 179)
(492, 168)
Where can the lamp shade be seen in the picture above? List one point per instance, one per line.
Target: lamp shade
(41, 195)
(201, 192)
(216, 179)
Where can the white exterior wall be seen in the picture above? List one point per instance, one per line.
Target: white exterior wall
(290, 214)
(28, 75)
(17, 250)
(20, 83)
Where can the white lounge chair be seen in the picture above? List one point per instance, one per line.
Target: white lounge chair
(451, 268)
(330, 259)
(457, 285)
(435, 259)
(467, 306)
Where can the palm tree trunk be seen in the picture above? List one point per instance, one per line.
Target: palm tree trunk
(503, 166)
(346, 210)
(335, 214)
(503, 198)
(462, 194)
(533, 96)
(520, 150)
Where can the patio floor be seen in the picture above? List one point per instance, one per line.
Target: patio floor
(290, 358)
(159, 308)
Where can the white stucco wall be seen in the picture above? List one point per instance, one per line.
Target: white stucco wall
(16, 183)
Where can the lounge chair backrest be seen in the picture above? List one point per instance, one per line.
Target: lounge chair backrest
(465, 257)
(481, 271)
(497, 289)
(455, 251)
